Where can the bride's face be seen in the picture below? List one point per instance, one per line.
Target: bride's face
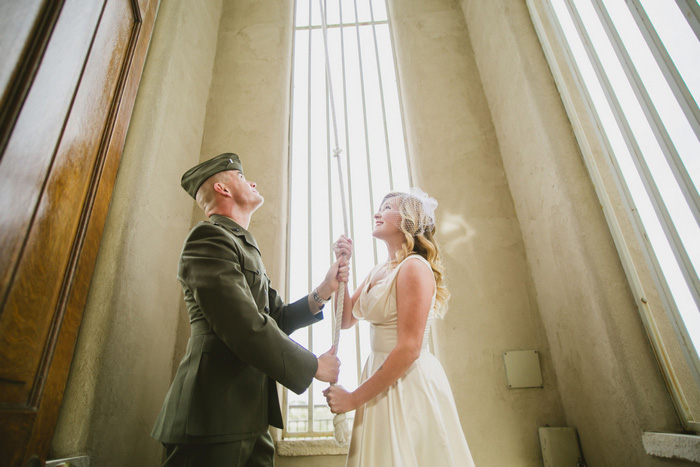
(387, 221)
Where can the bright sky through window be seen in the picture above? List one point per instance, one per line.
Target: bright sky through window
(371, 135)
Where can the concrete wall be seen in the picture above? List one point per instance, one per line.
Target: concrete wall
(610, 384)
(248, 112)
(455, 157)
(123, 361)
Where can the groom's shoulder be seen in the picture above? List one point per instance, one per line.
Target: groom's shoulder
(209, 233)
(204, 228)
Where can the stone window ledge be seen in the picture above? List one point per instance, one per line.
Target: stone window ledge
(310, 447)
(672, 446)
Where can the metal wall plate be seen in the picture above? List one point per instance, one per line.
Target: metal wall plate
(523, 369)
(559, 446)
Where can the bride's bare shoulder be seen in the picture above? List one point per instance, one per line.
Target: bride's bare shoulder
(415, 271)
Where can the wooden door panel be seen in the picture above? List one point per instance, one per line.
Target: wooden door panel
(29, 153)
(41, 278)
(26, 27)
(56, 177)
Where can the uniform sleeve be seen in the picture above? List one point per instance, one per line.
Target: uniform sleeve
(211, 268)
(293, 316)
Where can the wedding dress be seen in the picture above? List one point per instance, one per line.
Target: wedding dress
(414, 422)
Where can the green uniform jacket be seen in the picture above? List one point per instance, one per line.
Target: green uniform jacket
(224, 389)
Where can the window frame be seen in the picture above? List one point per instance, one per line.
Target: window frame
(311, 437)
(678, 363)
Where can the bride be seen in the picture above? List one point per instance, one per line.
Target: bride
(405, 411)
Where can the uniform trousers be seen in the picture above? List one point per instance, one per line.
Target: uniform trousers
(258, 451)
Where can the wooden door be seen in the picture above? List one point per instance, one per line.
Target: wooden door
(69, 72)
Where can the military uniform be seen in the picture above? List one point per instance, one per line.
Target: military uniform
(224, 389)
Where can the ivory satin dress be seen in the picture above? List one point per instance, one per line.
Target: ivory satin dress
(414, 422)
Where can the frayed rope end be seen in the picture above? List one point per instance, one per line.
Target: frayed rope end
(341, 431)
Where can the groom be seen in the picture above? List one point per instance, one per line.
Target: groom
(223, 397)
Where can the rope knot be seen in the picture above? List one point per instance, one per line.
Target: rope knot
(337, 152)
(341, 430)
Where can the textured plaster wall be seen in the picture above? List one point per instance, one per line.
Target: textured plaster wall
(123, 361)
(610, 385)
(455, 157)
(248, 112)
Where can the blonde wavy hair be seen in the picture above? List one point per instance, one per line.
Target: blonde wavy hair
(418, 227)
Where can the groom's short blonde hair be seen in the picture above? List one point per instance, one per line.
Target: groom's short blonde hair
(205, 194)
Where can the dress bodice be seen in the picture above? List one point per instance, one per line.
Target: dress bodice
(377, 305)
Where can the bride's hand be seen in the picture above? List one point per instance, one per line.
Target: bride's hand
(339, 399)
(343, 247)
(337, 273)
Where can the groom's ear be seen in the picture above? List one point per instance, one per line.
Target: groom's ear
(222, 189)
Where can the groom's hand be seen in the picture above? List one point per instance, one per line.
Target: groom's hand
(328, 367)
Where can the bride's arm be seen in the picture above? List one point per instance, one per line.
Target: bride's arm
(414, 293)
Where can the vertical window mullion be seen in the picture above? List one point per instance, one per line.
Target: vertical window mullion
(330, 141)
(329, 145)
(329, 171)
(285, 394)
(309, 331)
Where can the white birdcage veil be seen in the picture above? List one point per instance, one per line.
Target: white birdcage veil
(417, 210)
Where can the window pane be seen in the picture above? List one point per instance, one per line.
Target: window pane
(379, 10)
(363, 11)
(678, 38)
(303, 12)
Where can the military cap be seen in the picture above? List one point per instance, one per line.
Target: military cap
(193, 178)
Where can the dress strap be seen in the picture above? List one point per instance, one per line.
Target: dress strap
(418, 257)
(427, 263)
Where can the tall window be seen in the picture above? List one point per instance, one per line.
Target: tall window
(637, 65)
(374, 161)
